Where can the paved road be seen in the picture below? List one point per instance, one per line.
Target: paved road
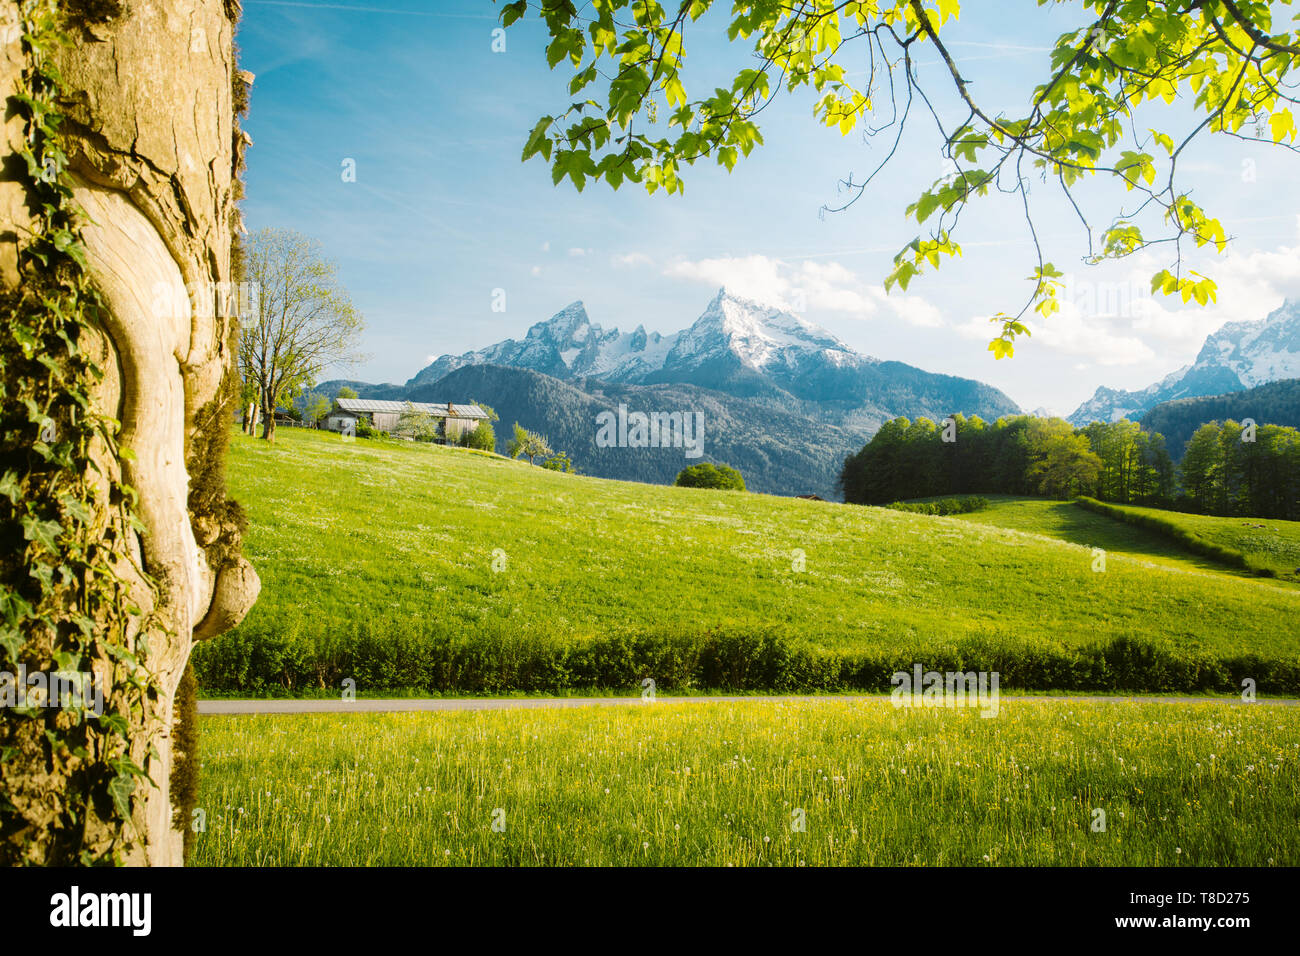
(381, 705)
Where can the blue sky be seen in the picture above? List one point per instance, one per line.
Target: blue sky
(442, 212)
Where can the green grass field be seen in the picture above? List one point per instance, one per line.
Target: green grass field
(417, 545)
(1067, 521)
(1275, 543)
(719, 783)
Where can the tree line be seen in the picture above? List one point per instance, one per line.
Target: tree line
(1229, 469)
(1177, 420)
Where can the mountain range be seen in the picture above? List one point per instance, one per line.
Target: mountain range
(1240, 355)
(784, 400)
(745, 350)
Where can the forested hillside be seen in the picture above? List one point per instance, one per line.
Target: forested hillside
(1277, 403)
(778, 452)
(1229, 469)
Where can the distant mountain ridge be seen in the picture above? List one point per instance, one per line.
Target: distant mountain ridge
(744, 349)
(778, 452)
(1240, 355)
(783, 400)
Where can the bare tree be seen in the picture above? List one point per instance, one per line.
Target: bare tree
(304, 321)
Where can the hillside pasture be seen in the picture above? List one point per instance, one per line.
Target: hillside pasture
(426, 569)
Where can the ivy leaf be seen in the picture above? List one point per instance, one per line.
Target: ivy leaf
(44, 533)
(121, 788)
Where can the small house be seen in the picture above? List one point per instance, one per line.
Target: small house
(452, 420)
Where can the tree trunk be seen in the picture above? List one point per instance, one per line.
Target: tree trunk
(153, 150)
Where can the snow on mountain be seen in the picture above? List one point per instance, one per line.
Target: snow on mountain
(743, 348)
(1266, 350)
(759, 336)
(570, 345)
(567, 345)
(1238, 356)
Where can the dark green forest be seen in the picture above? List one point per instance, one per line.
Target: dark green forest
(1228, 469)
(1277, 403)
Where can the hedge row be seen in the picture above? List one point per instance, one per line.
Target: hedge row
(1180, 535)
(942, 506)
(440, 661)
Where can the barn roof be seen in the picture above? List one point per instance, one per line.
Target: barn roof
(436, 409)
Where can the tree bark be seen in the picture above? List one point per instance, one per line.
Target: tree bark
(153, 150)
(268, 423)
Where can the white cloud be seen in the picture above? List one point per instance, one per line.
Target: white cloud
(1073, 332)
(916, 311)
(1115, 301)
(632, 259)
(576, 252)
(536, 270)
(1110, 317)
(809, 286)
(754, 277)
(546, 247)
(1069, 331)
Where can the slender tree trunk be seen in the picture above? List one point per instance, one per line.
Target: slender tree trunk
(268, 424)
(152, 145)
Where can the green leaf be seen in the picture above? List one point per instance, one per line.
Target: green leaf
(1280, 124)
(513, 11)
(121, 789)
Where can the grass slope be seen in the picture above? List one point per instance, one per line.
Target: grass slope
(377, 562)
(1272, 543)
(1069, 522)
(719, 783)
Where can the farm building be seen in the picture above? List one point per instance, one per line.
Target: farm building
(452, 420)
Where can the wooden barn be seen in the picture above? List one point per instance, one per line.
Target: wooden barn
(453, 420)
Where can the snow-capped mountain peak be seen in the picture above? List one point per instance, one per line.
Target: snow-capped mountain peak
(758, 335)
(742, 348)
(1265, 350)
(1238, 356)
(570, 345)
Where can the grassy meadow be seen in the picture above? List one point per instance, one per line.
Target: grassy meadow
(1276, 542)
(719, 783)
(417, 568)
